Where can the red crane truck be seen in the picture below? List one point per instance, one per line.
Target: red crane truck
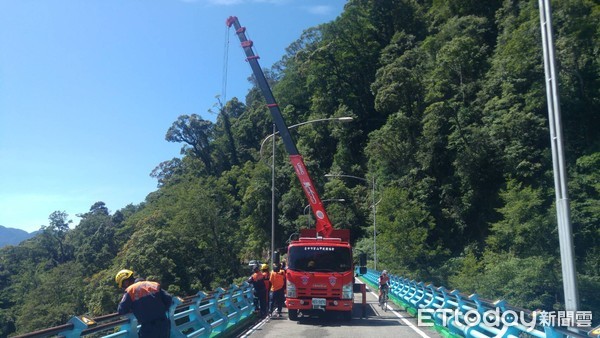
(320, 274)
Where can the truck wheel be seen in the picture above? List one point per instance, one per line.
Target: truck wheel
(293, 314)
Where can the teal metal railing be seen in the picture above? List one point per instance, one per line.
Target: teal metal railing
(224, 310)
(201, 315)
(461, 315)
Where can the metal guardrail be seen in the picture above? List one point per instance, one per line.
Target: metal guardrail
(468, 315)
(201, 315)
(223, 310)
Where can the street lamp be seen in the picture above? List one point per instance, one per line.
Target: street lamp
(563, 213)
(328, 200)
(373, 205)
(275, 132)
(340, 119)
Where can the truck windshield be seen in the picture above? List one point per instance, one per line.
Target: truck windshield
(319, 258)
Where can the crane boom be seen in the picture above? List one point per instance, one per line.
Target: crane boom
(323, 225)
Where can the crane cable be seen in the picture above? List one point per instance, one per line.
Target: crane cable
(225, 66)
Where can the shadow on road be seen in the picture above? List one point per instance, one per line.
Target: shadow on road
(372, 318)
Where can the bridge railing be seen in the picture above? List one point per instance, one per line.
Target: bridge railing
(201, 315)
(469, 315)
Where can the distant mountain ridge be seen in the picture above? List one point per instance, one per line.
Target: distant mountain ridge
(12, 236)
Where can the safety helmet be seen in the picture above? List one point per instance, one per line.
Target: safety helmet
(384, 272)
(264, 267)
(123, 275)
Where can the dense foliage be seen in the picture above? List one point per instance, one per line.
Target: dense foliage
(450, 119)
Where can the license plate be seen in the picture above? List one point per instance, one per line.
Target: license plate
(318, 301)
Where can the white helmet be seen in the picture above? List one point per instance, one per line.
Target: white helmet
(384, 272)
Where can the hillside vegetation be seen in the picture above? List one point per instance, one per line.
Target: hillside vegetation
(450, 119)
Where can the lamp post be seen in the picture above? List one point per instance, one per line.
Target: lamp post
(340, 119)
(275, 132)
(563, 213)
(327, 200)
(273, 199)
(373, 206)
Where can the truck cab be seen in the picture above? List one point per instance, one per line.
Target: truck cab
(320, 274)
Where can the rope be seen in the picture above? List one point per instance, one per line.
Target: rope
(225, 66)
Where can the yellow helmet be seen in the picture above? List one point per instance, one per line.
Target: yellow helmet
(264, 267)
(122, 276)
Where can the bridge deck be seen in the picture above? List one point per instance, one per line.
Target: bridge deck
(391, 323)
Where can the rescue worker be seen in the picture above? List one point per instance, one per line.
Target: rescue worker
(383, 282)
(264, 269)
(148, 302)
(257, 280)
(277, 295)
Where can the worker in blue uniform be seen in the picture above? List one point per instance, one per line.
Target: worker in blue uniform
(148, 302)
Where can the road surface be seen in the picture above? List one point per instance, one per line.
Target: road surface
(378, 323)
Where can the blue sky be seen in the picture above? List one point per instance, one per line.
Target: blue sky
(89, 88)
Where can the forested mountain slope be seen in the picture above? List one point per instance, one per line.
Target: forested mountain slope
(12, 236)
(449, 107)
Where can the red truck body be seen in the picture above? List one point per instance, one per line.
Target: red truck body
(320, 275)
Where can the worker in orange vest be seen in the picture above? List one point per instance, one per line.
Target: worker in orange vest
(148, 303)
(260, 291)
(277, 278)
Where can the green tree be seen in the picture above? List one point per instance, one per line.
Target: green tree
(167, 170)
(54, 236)
(576, 30)
(55, 299)
(532, 282)
(513, 95)
(585, 210)
(404, 235)
(94, 242)
(196, 133)
(526, 228)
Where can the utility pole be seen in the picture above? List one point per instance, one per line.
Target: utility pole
(565, 235)
(273, 199)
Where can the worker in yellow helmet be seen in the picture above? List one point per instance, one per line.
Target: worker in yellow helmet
(264, 269)
(148, 302)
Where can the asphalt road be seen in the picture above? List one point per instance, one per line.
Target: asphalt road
(378, 323)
